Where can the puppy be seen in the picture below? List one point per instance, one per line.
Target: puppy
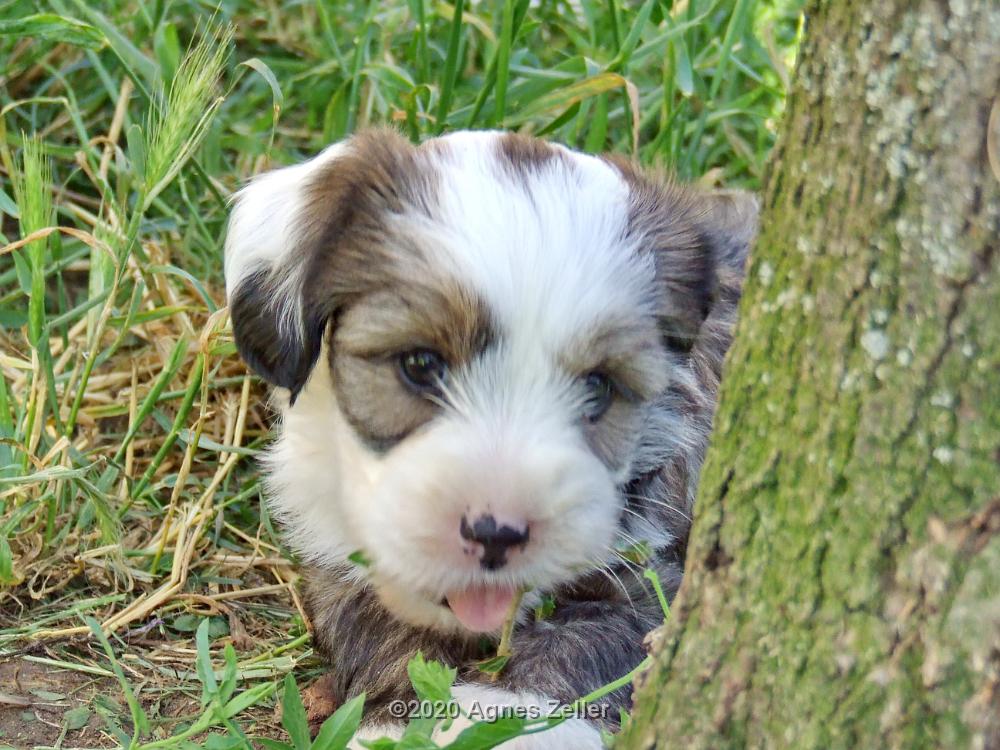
(496, 363)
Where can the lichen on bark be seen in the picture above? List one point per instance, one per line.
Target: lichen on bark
(843, 584)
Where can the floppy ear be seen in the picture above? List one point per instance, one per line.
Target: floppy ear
(289, 252)
(275, 232)
(728, 224)
(699, 242)
(725, 225)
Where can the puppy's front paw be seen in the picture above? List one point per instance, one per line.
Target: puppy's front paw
(482, 702)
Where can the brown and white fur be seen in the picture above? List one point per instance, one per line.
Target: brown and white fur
(580, 309)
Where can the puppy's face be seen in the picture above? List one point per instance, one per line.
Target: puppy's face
(475, 337)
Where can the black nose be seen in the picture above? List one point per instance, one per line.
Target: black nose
(496, 540)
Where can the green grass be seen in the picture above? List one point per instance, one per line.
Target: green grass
(127, 424)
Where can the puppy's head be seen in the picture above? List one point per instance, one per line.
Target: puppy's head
(474, 340)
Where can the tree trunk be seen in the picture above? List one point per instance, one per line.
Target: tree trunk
(843, 584)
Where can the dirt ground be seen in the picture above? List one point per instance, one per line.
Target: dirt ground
(39, 705)
(48, 707)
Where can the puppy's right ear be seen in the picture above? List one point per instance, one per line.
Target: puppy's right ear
(271, 243)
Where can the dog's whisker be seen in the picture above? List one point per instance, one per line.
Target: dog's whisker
(635, 568)
(616, 582)
(608, 570)
(660, 504)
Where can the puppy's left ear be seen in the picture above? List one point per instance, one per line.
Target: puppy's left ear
(701, 241)
(725, 226)
(728, 225)
(286, 230)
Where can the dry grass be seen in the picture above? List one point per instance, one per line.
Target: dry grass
(128, 426)
(134, 425)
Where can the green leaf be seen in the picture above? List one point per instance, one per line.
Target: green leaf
(177, 356)
(247, 698)
(222, 742)
(494, 665)
(23, 271)
(8, 576)
(228, 684)
(106, 704)
(607, 738)
(651, 575)
(8, 206)
(420, 732)
(382, 743)
(632, 40)
(639, 553)
(338, 729)
(451, 71)
(203, 662)
(488, 734)
(136, 144)
(140, 721)
(359, 558)
(416, 742)
(683, 75)
(54, 28)
(567, 96)
(547, 608)
(76, 718)
(293, 715)
(188, 623)
(187, 436)
(140, 68)
(270, 744)
(277, 98)
(167, 47)
(431, 679)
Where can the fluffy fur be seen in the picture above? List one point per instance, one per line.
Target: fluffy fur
(528, 268)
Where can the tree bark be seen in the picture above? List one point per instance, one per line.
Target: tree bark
(843, 584)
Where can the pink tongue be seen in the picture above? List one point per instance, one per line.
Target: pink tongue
(482, 609)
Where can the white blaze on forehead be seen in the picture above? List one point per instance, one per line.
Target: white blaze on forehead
(545, 246)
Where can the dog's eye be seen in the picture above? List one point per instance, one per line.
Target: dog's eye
(422, 369)
(600, 394)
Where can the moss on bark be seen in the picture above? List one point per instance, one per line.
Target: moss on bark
(843, 585)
